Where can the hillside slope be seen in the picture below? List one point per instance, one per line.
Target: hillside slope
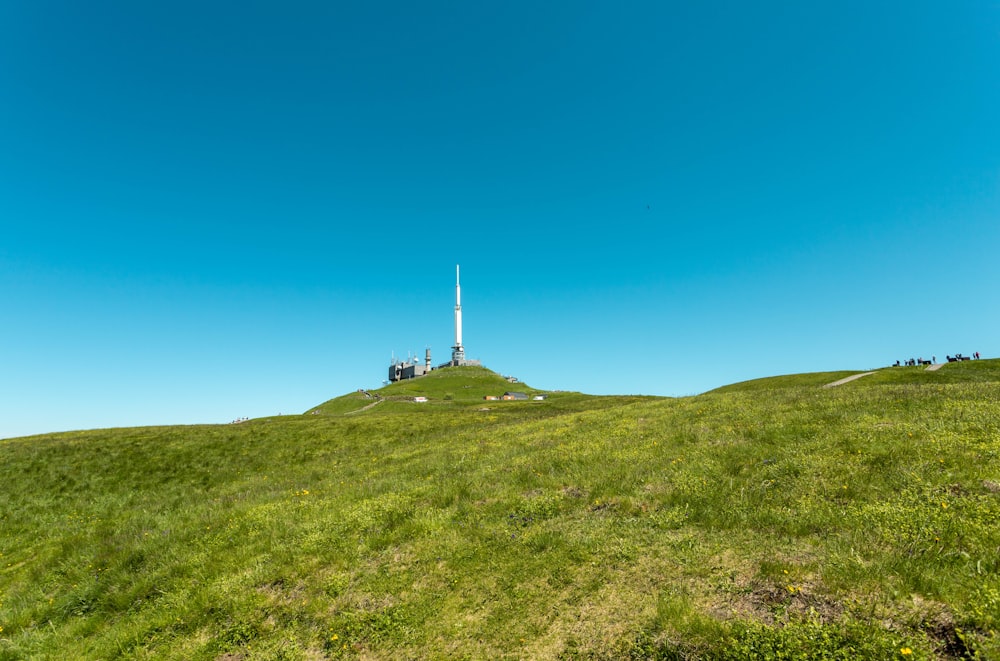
(972, 371)
(454, 385)
(792, 521)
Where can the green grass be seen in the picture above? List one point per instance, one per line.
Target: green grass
(787, 381)
(780, 521)
(972, 371)
(456, 384)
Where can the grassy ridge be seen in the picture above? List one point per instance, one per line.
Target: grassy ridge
(973, 371)
(792, 521)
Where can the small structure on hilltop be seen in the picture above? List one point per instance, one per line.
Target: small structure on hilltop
(411, 368)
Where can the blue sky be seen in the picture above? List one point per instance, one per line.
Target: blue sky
(219, 210)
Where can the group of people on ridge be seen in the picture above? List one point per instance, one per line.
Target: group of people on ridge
(920, 361)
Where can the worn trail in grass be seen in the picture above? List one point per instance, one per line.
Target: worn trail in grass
(779, 519)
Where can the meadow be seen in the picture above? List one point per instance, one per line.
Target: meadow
(770, 519)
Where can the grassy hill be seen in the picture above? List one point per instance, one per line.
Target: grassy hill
(772, 519)
(973, 371)
(452, 387)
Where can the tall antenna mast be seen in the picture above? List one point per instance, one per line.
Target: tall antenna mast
(458, 351)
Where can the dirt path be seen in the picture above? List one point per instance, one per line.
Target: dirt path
(365, 408)
(378, 400)
(935, 367)
(847, 379)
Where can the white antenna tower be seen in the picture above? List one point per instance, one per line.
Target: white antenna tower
(458, 351)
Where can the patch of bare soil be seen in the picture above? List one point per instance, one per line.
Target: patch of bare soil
(949, 643)
(775, 605)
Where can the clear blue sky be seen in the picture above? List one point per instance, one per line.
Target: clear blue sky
(218, 210)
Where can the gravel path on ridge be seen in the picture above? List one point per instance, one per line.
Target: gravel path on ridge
(847, 379)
